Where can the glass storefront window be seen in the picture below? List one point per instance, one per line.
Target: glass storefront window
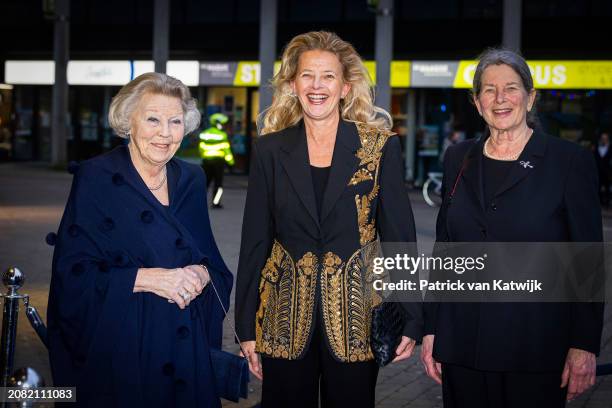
(5, 119)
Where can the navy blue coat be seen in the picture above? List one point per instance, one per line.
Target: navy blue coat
(117, 347)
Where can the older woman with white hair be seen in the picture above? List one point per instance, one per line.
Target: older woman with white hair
(131, 316)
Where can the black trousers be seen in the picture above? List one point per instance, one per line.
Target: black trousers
(467, 388)
(296, 383)
(214, 173)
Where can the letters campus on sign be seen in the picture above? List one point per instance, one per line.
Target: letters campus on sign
(552, 74)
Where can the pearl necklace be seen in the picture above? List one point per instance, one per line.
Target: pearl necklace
(512, 157)
(161, 183)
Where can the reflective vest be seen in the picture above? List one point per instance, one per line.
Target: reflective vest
(214, 144)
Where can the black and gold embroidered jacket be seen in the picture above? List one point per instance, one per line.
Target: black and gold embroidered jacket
(293, 261)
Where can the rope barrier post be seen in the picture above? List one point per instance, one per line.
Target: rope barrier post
(13, 279)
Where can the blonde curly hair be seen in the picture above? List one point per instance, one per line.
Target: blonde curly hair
(357, 105)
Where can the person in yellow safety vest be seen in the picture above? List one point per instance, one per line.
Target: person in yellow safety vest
(216, 152)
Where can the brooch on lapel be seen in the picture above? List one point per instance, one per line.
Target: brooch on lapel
(526, 164)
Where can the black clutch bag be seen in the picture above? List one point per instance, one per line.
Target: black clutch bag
(231, 372)
(388, 321)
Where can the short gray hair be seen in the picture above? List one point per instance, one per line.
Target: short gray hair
(124, 103)
(504, 56)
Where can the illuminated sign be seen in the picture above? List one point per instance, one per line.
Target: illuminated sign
(404, 74)
(433, 74)
(400, 73)
(99, 72)
(29, 72)
(119, 73)
(188, 72)
(217, 73)
(552, 74)
(247, 73)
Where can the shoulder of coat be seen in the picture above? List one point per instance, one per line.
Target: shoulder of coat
(272, 141)
(373, 138)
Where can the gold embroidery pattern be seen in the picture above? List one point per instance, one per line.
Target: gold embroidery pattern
(360, 175)
(273, 324)
(333, 295)
(307, 282)
(367, 230)
(284, 318)
(287, 288)
(286, 304)
(348, 298)
(362, 298)
(372, 142)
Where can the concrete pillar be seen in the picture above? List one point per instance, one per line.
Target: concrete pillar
(422, 107)
(161, 34)
(59, 109)
(422, 113)
(267, 50)
(384, 53)
(512, 24)
(410, 134)
(106, 131)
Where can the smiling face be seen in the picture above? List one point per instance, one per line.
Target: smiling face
(319, 85)
(503, 101)
(157, 129)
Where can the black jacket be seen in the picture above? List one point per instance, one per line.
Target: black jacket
(551, 197)
(292, 261)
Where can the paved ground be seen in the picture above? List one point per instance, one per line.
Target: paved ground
(31, 203)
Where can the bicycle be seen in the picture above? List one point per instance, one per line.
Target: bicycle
(432, 189)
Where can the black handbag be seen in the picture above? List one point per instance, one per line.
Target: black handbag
(231, 372)
(231, 375)
(388, 321)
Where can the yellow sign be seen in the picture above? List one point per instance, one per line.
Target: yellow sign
(400, 73)
(571, 74)
(465, 74)
(546, 74)
(371, 67)
(552, 74)
(247, 73)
